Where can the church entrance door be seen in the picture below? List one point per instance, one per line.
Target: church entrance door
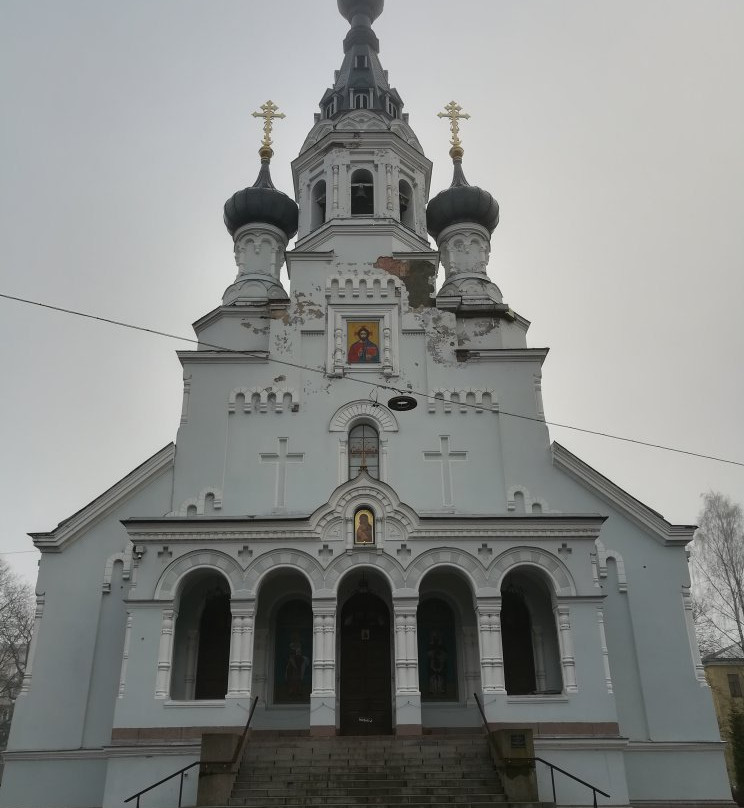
(365, 689)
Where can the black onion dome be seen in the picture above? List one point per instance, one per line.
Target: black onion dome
(261, 204)
(461, 202)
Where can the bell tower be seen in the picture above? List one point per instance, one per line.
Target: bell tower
(361, 165)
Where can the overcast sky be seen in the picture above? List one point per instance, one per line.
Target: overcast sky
(610, 131)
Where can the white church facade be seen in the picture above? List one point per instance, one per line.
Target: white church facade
(352, 526)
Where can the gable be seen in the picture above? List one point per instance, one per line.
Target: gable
(646, 518)
(74, 526)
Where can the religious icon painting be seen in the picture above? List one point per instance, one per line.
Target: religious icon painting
(363, 342)
(364, 526)
(293, 653)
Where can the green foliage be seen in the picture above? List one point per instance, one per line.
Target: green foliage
(736, 737)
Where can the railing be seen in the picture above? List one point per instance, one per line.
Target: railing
(165, 780)
(552, 766)
(239, 748)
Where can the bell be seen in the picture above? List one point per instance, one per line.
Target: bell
(360, 192)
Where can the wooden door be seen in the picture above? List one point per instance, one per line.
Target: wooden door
(365, 687)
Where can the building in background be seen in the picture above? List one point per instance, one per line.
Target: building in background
(724, 671)
(363, 522)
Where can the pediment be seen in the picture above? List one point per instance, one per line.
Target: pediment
(364, 490)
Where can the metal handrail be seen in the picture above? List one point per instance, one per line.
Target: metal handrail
(165, 780)
(552, 766)
(236, 755)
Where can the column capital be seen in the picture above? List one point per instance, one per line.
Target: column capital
(487, 604)
(405, 605)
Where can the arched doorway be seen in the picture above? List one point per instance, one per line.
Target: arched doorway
(365, 681)
(529, 634)
(201, 648)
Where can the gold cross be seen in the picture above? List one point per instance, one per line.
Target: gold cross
(455, 114)
(268, 113)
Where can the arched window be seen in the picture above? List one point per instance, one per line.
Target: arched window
(318, 206)
(362, 193)
(293, 653)
(437, 651)
(405, 197)
(529, 636)
(201, 648)
(364, 451)
(361, 100)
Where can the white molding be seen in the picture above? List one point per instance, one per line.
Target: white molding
(199, 502)
(507, 355)
(643, 516)
(451, 398)
(87, 517)
(675, 746)
(387, 311)
(226, 357)
(270, 399)
(108, 571)
(556, 571)
(345, 416)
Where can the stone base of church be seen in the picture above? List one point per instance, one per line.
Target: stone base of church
(408, 730)
(318, 731)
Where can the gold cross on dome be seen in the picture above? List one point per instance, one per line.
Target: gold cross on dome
(268, 113)
(455, 114)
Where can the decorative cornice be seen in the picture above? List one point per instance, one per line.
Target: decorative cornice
(359, 141)
(308, 528)
(649, 520)
(237, 313)
(354, 227)
(225, 357)
(420, 255)
(75, 525)
(504, 355)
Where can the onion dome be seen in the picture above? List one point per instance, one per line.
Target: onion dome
(262, 203)
(461, 202)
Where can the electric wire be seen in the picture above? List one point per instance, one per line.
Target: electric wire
(351, 377)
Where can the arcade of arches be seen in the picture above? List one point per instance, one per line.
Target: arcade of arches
(364, 648)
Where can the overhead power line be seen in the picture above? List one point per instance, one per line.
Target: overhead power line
(378, 385)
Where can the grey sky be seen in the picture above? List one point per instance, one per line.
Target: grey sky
(610, 132)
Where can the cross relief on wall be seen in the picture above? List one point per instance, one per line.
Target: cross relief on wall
(445, 456)
(281, 458)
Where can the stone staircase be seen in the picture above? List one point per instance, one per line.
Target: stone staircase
(379, 771)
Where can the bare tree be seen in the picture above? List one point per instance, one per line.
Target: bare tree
(718, 572)
(16, 625)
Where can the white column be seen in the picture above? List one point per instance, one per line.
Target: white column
(335, 195)
(241, 649)
(165, 654)
(472, 663)
(125, 656)
(605, 653)
(323, 695)
(491, 651)
(565, 639)
(407, 694)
